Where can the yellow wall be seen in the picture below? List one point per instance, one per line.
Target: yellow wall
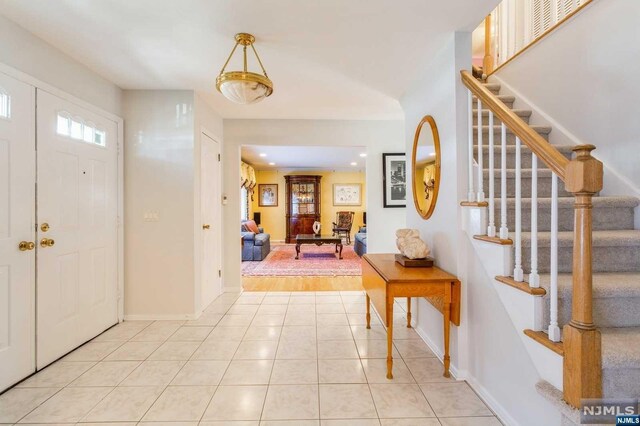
(273, 218)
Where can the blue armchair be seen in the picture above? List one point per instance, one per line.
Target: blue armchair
(255, 246)
(360, 244)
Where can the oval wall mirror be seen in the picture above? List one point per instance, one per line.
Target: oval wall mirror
(425, 164)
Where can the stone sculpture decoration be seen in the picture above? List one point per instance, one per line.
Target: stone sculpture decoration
(316, 227)
(411, 245)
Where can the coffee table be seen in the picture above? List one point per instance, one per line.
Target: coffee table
(318, 240)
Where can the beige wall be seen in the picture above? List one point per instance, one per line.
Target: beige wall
(273, 218)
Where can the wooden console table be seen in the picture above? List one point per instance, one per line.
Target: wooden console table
(384, 279)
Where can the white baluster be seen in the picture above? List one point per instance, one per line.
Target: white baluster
(504, 230)
(534, 278)
(471, 196)
(480, 165)
(518, 275)
(491, 229)
(554, 329)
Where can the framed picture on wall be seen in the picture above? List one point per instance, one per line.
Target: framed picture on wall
(268, 195)
(347, 194)
(394, 179)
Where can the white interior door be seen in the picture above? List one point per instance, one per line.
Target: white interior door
(211, 219)
(77, 199)
(17, 224)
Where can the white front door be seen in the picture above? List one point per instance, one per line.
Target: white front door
(17, 225)
(211, 219)
(77, 248)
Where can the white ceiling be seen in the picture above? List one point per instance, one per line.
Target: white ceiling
(304, 157)
(328, 59)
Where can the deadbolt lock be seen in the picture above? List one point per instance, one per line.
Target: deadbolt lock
(26, 245)
(44, 227)
(47, 242)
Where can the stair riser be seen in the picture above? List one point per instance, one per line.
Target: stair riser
(621, 383)
(525, 158)
(609, 312)
(497, 137)
(603, 218)
(605, 259)
(496, 120)
(508, 104)
(544, 187)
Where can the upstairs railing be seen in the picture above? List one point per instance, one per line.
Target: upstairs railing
(516, 25)
(582, 177)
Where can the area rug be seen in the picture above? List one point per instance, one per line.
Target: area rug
(314, 261)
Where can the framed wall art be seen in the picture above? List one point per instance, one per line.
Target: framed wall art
(347, 194)
(268, 195)
(394, 179)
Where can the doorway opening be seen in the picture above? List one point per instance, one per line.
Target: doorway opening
(303, 217)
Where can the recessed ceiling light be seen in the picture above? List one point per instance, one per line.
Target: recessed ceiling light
(262, 154)
(272, 164)
(354, 163)
(364, 154)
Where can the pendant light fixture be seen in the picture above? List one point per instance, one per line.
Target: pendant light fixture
(244, 87)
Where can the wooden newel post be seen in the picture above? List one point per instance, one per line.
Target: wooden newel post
(582, 376)
(487, 63)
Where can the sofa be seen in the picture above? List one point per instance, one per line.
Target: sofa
(360, 241)
(256, 245)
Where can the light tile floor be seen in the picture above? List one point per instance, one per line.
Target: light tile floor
(278, 358)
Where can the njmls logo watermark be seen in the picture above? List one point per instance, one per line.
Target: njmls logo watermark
(610, 411)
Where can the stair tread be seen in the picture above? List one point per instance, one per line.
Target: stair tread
(525, 112)
(537, 128)
(498, 147)
(492, 85)
(605, 284)
(618, 238)
(620, 347)
(568, 202)
(508, 98)
(511, 173)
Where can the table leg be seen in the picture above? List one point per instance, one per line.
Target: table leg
(368, 311)
(447, 328)
(390, 341)
(297, 251)
(340, 254)
(408, 312)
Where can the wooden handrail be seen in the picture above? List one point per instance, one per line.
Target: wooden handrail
(538, 145)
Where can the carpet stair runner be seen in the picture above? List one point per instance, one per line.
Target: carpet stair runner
(616, 256)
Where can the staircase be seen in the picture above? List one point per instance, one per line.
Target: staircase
(615, 251)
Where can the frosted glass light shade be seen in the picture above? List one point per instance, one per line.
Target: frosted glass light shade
(244, 87)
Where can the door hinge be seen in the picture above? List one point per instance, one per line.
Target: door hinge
(220, 273)
(218, 157)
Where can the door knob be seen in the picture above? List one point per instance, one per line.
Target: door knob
(47, 242)
(44, 227)
(26, 245)
(206, 226)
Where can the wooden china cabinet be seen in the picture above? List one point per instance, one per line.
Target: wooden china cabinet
(303, 204)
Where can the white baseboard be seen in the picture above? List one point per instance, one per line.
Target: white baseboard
(491, 402)
(170, 317)
(232, 289)
(457, 374)
(482, 392)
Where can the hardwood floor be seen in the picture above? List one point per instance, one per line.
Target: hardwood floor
(337, 283)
